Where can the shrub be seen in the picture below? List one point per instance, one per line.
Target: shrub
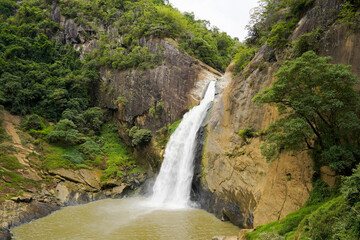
(242, 58)
(247, 132)
(319, 193)
(94, 119)
(350, 15)
(42, 134)
(52, 161)
(140, 137)
(280, 33)
(35, 122)
(75, 157)
(351, 187)
(90, 147)
(307, 42)
(156, 110)
(64, 133)
(121, 100)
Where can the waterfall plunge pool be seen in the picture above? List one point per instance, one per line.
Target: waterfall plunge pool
(130, 218)
(165, 215)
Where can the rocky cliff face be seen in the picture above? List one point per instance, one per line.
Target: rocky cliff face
(236, 183)
(168, 89)
(154, 98)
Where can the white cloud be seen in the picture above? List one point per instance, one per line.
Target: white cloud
(230, 16)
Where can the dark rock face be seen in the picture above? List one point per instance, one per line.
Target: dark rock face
(324, 13)
(14, 214)
(70, 32)
(224, 209)
(169, 85)
(339, 41)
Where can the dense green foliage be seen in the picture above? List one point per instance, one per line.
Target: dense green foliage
(140, 137)
(350, 14)
(38, 75)
(273, 21)
(242, 57)
(64, 133)
(42, 74)
(307, 42)
(104, 151)
(34, 121)
(321, 110)
(120, 160)
(134, 20)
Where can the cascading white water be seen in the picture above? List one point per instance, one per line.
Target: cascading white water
(173, 184)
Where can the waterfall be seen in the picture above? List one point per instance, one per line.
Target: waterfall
(173, 184)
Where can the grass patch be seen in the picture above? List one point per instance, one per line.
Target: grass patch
(285, 227)
(3, 134)
(173, 126)
(120, 160)
(55, 161)
(9, 162)
(54, 157)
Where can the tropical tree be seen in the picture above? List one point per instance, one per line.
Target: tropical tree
(321, 112)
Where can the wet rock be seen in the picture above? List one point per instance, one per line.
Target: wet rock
(5, 234)
(92, 178)
(117, 192)
(23, 198)
(67, 174)
(111, 183)
(62, 192)
(16, 213)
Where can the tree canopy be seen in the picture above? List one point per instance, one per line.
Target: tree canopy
(320, 110)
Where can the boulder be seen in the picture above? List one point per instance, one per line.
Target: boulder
(92, 178)
(62, 192)
(68, 174)
(23, 198)
(117, 192)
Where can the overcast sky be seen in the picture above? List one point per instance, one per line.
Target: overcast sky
(230, 16)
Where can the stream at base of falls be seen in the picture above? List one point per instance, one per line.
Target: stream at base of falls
(131, 218)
